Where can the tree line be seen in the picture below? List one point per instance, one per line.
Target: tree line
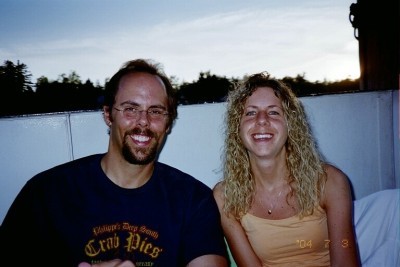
(68, 93)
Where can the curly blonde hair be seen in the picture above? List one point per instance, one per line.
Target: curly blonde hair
(306, 173)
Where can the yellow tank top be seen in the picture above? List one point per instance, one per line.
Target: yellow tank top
(290, 241)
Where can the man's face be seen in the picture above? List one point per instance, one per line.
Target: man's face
(138, 137)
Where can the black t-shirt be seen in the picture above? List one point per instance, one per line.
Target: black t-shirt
(74, 213)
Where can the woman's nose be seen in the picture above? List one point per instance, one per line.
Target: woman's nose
(262, 118)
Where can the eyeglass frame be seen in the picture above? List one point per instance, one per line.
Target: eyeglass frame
(153, 113)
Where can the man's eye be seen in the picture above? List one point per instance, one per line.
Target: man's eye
(130, 109)
(156, 112)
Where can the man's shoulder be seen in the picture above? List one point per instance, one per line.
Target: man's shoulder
(160, 166)
(80, 162)
(176, 176)
(73, 166)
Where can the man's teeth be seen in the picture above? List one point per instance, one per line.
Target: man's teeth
(141, 138)
(262, 136)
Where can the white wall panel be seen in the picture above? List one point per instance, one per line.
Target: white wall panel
(356, 132)
(196, 141)
(28, 146)
(353, 132)
(89, 134)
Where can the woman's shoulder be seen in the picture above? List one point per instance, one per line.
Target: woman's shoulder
(337, 184)
(218, 191)
(219, 186)
(334, 175)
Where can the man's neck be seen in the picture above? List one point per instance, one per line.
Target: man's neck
(125, 174)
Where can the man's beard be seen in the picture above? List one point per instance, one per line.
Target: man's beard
(132, 156)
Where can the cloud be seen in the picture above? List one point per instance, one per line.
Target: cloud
(284, 41)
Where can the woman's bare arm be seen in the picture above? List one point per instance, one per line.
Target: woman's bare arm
(338, 204)
(241, 250)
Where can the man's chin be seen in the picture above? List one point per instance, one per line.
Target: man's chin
(140, 159)
(139, 156)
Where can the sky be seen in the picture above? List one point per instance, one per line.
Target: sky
(228, 38)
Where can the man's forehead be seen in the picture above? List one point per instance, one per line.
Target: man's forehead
(141, 78)
(141, 85)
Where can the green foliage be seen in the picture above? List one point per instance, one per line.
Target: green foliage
(69, 93)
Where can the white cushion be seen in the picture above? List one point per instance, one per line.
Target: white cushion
(377, 221)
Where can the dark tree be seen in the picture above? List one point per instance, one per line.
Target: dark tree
(16, 89)
(302, 87)
(208, 88)
(68, 93)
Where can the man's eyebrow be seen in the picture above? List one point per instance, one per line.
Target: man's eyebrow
(132, 103)
(158, 106)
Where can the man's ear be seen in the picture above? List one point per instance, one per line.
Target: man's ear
(107, 115)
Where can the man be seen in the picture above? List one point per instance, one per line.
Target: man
(121, 208)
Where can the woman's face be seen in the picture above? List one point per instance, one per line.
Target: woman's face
(263, 127)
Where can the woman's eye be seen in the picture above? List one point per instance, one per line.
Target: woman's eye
(273, 112)
(250, 113)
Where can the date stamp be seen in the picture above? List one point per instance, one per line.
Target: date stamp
(309, 244)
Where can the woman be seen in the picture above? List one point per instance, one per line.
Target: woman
(280, 204)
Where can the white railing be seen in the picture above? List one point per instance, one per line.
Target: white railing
(357, 132)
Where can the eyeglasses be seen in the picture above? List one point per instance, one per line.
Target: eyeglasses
(132, 113)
